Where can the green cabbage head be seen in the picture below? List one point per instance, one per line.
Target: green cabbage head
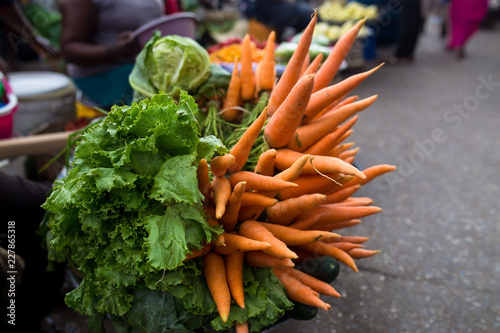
(170, 64)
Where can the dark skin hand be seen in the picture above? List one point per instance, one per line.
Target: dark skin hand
(14, 19)
(79, 20)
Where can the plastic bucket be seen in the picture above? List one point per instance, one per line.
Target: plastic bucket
(7, 111)
(182, 24)
(86, 108)
(43, 97)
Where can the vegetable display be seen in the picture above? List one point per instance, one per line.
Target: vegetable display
(337, 11)
(186, 217)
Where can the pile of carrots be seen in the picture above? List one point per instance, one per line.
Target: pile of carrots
(285, 209)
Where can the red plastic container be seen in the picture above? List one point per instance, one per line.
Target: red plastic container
(7, 110)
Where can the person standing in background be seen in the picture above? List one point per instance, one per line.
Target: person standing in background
(411, 22)
(279, 14)
(465, 17)
(97, 47)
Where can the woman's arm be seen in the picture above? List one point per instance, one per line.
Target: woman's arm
(79, 21)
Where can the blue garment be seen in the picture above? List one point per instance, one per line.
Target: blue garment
(108, 88)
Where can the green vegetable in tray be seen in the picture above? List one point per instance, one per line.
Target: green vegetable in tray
(128, 213)
(324, 268)
(302, 311)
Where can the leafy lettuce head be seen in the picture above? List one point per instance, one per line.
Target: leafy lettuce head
(170, 64)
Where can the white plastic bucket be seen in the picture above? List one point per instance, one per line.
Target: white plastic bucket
(44, 98)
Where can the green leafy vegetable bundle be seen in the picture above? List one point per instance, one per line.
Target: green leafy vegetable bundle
(128, 214)
(173, 63)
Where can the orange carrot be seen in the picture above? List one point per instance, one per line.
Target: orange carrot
(219, 241)
(345, 101)
(265, 163)
(232, 100)
(342, 194)
(305, 65)
(329, 141)
(221, 188)
(371, 173)
(286, 210)
(203, 178)
(261, 259)
(322, 98)
(309, 134)
(242, 148)
(340, 213)
(304, 255)
(345, 246)
(238, 243)
(362, 253)
(220, 164)
(294, 169)
(267, 66)
(255, 181)
(313, 65)
(324, 249)
(293, 68)
(350, 239)
(337, 150)
(246, 72)
(299, 292)
(326, 109)
(348, 153)
(252, 213)
(291, 236)
(230, 217)
(312, 282)
(308, 184)
(349, 159)
(255, 230)
(257, 199)
(356, 201)
(305, 222)
(334, 225)
(282, 125)
(241, 328)
(215, 275)
(345, 136)
(198, 252)
(337, 55)
(318, 164)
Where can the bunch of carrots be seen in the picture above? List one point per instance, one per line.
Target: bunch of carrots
(285, 207)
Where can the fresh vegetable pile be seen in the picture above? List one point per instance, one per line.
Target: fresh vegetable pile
(338, 11)
(189, 214)
(230, 50)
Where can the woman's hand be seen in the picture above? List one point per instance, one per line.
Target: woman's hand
(125, 46)
(43, 47)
